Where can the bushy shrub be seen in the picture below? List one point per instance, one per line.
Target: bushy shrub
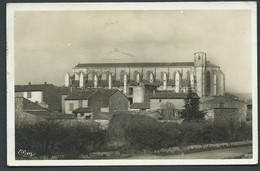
(153, 136)
(214, 132)
(165, 135)
(51, 138)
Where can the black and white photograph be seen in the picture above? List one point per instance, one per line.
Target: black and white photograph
(131, 84)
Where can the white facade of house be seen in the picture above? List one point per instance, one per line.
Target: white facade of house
(71, 105)
(34, 96)
(157, 103)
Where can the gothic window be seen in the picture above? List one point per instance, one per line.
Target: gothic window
(188, 75)
(208, 83)
(95, 81)
(151, 77)
(138, 77)
(177, 82)
(131, 91)
(164, 81)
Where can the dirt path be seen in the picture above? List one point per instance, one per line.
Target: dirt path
(235, 152)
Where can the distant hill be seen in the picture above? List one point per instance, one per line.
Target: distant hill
(241, 96)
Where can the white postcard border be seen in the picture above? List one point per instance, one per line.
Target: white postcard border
(11, 8)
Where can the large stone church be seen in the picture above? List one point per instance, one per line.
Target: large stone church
(205, 78)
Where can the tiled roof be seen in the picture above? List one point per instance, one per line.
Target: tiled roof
(133, 83)
(118, 83)
(166, 64)
(30, 106)
(64, 90)
(209, 64)
(51, 94)
(170, 95)
(144, 105)
(80, 94)
(222, 99)
(34, 108)
(41, 113)
(32, 87)
(103, 83)
(90, 83)
(107, 92)
(84, 110)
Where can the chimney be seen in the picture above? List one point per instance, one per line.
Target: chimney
(29, 83)
(45, 83)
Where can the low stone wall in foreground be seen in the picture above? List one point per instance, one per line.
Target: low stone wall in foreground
(203, 147)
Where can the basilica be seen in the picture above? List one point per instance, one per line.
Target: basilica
(205, 78)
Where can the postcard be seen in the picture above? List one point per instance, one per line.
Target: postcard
(101, 84)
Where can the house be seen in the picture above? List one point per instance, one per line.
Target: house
(222, 114)
(168, 103)
(106, 100)
(160, 98)
(142, 92)
(77, 99)
(113, 100)
(46, 95)
(226, 103)
(29, 112)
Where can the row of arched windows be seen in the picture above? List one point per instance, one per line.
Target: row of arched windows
(124, 77)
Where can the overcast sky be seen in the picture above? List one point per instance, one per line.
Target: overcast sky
(49, 44)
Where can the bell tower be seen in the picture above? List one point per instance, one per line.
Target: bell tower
(200, 70)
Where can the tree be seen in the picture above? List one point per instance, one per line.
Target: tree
(191, 111)
(168, 110)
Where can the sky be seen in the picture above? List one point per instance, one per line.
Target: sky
(49, 44)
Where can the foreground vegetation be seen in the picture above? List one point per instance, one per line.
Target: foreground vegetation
(138, 132)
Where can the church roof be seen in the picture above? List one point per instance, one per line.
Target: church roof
(164, 64)
(209, 64)
(159, 64)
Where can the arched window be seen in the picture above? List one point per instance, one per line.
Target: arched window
(164, 81)
(81, 80)
(192, 80)
(138, 77)
(151, 77)
(208, 83)
(188, 75)
(125, 83)
(110, 81)
(177, 82)
(95, 81)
